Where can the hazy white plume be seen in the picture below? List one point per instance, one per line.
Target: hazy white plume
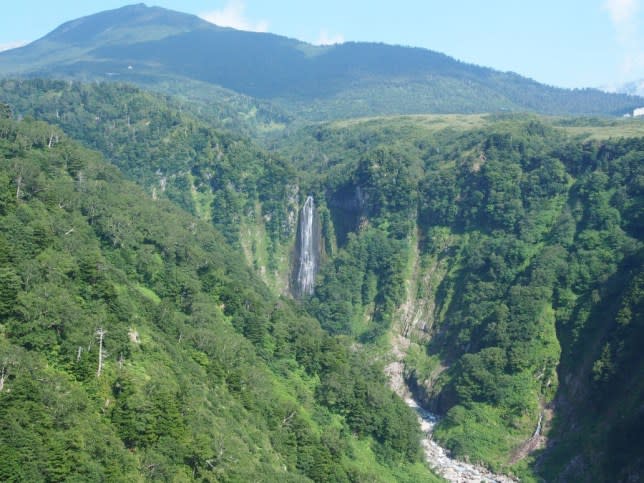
(326, 39)
(233, 15)
(12, 45)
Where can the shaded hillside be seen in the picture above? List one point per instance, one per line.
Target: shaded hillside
(156, 47)
(135, 345)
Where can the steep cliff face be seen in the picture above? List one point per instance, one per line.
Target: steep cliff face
(415, 322)
(599, 415)
(486, 257)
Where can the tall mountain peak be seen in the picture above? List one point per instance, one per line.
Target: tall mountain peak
(108, 25)
(154, 47)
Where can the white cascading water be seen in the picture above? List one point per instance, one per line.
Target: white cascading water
(308, 249)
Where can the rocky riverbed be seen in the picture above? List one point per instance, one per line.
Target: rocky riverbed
(439, 460)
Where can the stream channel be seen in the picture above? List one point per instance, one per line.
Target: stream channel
(438, 458)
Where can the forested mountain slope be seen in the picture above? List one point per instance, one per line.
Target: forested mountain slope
(173, 51)
(511, 255)
(136, 345)
(164, 146)
(508, 249)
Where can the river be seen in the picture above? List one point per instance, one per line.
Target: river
(439, 460)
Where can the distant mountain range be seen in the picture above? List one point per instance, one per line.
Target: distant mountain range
(160, 48)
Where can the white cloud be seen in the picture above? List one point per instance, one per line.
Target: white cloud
(626, 20)
(623, 14)
(621, 11)
(12, 45)
(326, 39)
(233, 15)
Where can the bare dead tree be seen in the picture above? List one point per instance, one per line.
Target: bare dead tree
(53, 138)
(5, 371)
(3, 377)
(100, 333)
(287, 419)
(19, 185)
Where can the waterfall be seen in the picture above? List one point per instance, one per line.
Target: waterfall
(537, 431)
(308, 250)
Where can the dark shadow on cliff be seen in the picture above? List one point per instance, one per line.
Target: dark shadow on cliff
(597, 433)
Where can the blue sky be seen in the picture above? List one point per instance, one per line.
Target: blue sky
(569, 43)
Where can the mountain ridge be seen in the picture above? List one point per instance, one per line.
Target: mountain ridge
(151, 45)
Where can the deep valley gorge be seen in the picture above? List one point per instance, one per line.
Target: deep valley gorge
(204, 278)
